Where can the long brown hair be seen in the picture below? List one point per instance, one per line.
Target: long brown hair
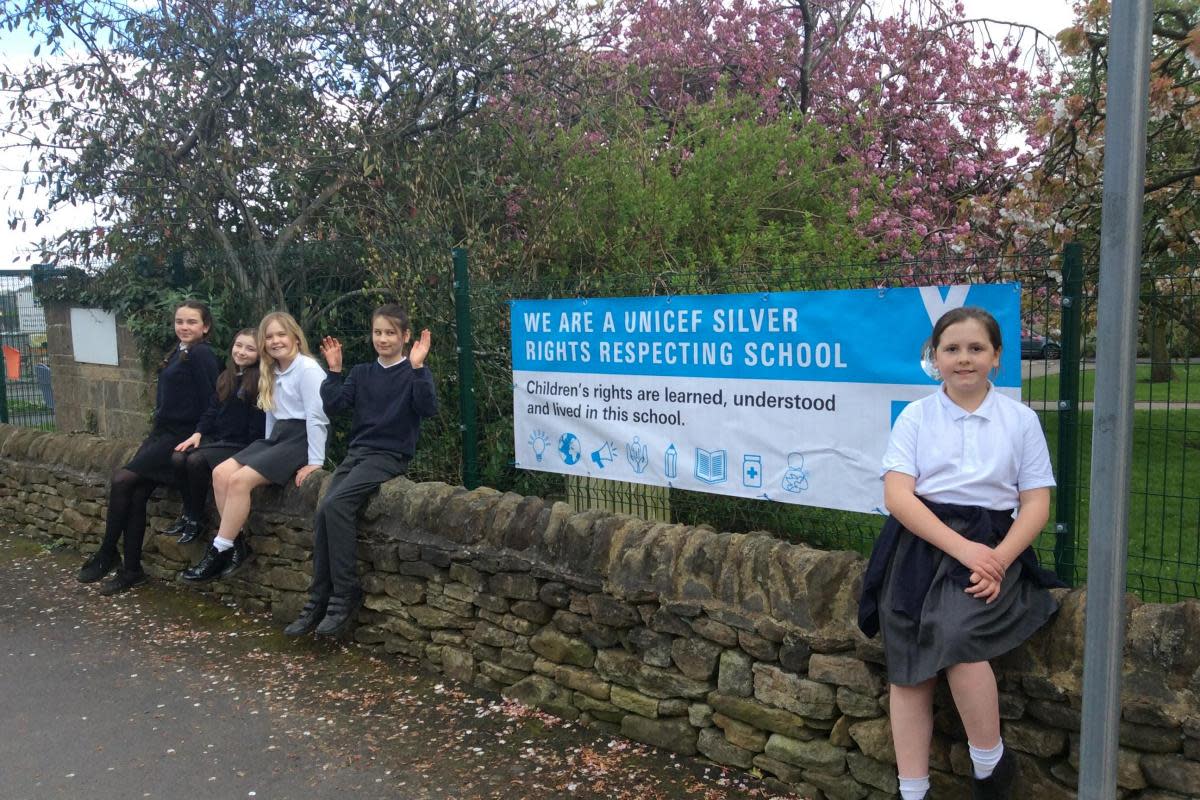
(247, 390)
(266, 364)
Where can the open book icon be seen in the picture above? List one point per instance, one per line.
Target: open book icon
(712, 466)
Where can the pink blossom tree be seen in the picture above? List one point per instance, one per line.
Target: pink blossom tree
(939, 112)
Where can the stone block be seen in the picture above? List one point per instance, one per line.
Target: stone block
(560, 648)
(674, 734)
(458, 664)
(514, 585)
(877, 774)
(802, 696)
(611, 612)
(735, 676)
(555, 594)
(712, 744)
(654, 648)
(626, 669)
(428, 617)
(1172, 772)
(845, 671)
(813, 754)
(631, 700)
(715, 631)
(757, 715)
(757, 646)
(535, 612)
(598, 708)
(582, 681)
(739, 733)
(695, 657)
(856, 704)
(502, 676)
(494, 635)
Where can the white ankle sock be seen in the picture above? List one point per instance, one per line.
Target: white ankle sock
(914, 788)
(985, 761)
(222, 544)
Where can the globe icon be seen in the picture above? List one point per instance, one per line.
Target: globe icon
(568, 448)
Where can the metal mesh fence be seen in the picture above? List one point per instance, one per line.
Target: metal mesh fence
(471, 440)
(27, 398)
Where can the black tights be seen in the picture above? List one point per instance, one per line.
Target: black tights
(128, 494)
(194, 476)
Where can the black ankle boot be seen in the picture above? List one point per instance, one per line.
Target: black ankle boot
(340, 614)
(123, 581)
(241, 554)
(189, 531)
(998, 785)
(210, 567)
(176, 527)
(98, 566)
(310, 617)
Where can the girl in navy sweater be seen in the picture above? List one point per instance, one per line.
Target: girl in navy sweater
(186, 379)
(232, 421)
(390, 396)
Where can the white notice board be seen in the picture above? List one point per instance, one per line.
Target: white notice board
(94, 336)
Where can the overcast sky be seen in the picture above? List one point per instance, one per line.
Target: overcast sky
(1050, 16)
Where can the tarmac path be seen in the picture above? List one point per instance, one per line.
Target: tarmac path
(162, 693)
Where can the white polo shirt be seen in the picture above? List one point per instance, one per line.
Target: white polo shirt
(297, 395)
(985, 457)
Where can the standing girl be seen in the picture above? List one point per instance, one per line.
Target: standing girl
(953, 581)
(289, 390)
(389, 396)
(232, 421)
(185, 381)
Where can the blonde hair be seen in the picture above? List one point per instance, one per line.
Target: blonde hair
(266, 375)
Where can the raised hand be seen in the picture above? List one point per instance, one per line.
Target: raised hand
(331, 350)
(419, 350)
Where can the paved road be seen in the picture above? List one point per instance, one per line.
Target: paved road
(162, 694)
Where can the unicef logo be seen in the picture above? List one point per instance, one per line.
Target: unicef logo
(568, 448)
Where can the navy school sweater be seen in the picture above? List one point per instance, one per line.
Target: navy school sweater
(234, 421)
(185, 385)
(389, 404)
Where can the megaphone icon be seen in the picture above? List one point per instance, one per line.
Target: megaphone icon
(604, 453)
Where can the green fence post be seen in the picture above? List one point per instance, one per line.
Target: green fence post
(466, 370)
(1067, 506)
(3, 399)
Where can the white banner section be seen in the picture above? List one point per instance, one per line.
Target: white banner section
(782, 396)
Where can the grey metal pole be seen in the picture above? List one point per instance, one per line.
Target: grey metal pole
(1112, 432)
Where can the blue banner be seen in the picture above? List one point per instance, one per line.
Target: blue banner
(851, 336)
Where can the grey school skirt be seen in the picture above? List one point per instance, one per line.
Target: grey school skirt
(954, 627)
(278, 456)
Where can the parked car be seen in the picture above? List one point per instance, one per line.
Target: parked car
(1034, 345)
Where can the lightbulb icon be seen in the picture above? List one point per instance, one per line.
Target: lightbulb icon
(538, 441)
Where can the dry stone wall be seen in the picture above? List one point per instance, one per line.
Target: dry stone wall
(737, 648)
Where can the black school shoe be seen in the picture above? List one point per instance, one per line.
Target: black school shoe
(310, 617)
(122, 582)
(189, 530)
(210, 567)
(241, 554)
(176, 527)
(998, 785)
(340, 614)
(98, 566)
